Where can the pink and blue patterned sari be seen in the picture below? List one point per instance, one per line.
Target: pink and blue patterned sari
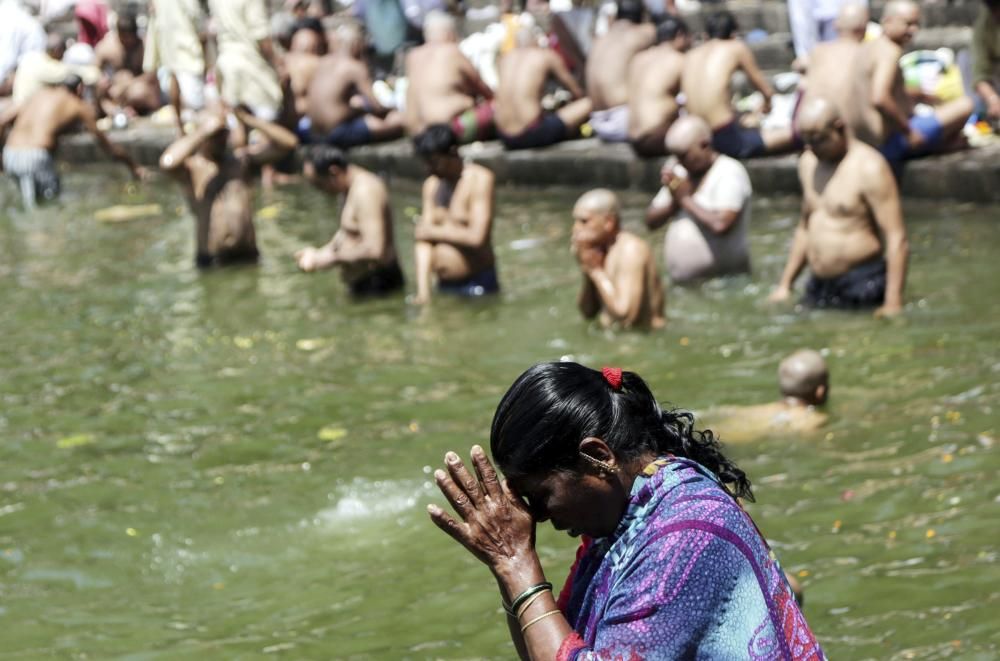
(686, 575)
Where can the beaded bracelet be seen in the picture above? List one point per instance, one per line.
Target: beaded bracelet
(539, 619)
(524, 596)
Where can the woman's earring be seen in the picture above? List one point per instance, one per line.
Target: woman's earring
(603, 465)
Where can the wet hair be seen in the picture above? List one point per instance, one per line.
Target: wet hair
(538, 426)
(629, 10)
(324, 157)
(670, 28)
(721, 25)
(435, 139)
(309, 23)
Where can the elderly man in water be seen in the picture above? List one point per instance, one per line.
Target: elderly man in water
(706, 86)
(444, 86)
(454, 235)
(708, 196)
(621, 281)
(654, 79)
(851, 233)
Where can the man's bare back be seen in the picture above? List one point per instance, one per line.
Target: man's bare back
(831, 72)
(608, 62)
(876, 66)
(708, 70)
(46, 115)
(523, 73)
(654, 79)
(626, 251)
(443, 84)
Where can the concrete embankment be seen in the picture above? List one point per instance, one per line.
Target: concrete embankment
(968, 176)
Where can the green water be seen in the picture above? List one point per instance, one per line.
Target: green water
(236, 464)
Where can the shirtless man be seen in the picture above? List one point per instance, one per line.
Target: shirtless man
(654, 79)
(880, 111)
(851, 232)
(215, 167)
(710, 195)
(35, 128)
(830, 68)
(125, 87)
(444, 85)
(607, 70)
(708, 69)
(804, 381)
(298, 67)
(453, 237)
(121, 50)
(337, 98)
(620, 277)
(522, 122)
(363, 247)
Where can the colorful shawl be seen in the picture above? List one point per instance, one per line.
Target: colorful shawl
(685, 575)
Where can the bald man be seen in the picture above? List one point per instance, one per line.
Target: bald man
(522, 122)
(621, 282)
(851, 232)
(880, 110)
(708, 196)
(341, 109)
(444, 86)
(831, 63)
(705, 83)
(804, 381)
(654, 79)
(607, 70)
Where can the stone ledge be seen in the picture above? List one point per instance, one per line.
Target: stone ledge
(969, 176)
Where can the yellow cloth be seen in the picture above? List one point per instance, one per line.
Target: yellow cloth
(172, 38)
(246, 76)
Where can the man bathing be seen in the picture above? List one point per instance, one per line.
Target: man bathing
(620, 279)
(654, 79)
(521, 121)
(453, 237)
(708, 69)
(363, 247)
(444, 86)
(851, 233)
(607, 70)
(710, 193)
(216, 168)
(35, 128)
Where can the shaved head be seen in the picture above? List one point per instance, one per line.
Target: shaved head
(439, 27)
(818, 114)
(599, 200)
(904, 8)
(687, 132)
(853, 19)
(801, 375)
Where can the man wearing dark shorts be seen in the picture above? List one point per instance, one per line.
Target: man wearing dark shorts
(861, 287)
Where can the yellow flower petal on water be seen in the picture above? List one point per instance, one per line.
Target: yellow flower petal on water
(74, 441)
(414, 426)
(331, 433)
(930, 534)
(218, 586)
(947, 457)
(131, 532)
(269, 212)
(829, 435)
(953, 416)
(243, 342)
(803, 573)
(684, 341)
(310, 344)
(836, 526)
(892, 534)
(219, 480)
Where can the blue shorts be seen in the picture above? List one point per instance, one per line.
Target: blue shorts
(480, 284)
(352, 133)
(897, 148)
(738, 142)
(547, 130)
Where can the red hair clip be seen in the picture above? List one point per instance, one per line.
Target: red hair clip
(613, 375)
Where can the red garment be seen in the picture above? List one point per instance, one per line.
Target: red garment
(92, 19)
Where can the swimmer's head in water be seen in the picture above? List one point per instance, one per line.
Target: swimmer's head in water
(690, 140)
(901, 20)
(852, 19)
(804, 375)
(629, 10)
(721, 25)
(439, 27)
(822, 129)
(439, 147)
(674, 31)
(326, 168)
(596, 218)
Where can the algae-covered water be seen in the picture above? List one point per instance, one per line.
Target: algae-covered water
(236, 464)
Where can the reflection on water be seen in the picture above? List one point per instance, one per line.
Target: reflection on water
(236, 463)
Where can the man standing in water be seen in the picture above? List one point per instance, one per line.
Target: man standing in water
(363, 247)
(216, 168)
(654, 79)
(37, 125)
(851, 233)
(705, 82)
(620, 277)
(453, 237)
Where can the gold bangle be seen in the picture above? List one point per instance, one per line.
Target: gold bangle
(539, 619)
(524, 608)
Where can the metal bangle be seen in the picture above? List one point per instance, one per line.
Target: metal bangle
(539, 619)
(518, 601)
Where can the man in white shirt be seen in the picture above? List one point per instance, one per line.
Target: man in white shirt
(174, 51)
(20, 33)
(707, 194)
(246, 57)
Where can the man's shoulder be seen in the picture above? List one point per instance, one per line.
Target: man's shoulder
(631, 245)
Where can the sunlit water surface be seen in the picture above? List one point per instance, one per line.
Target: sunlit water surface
(237, 463)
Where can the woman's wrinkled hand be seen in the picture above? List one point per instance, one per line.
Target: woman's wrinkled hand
(493, 523)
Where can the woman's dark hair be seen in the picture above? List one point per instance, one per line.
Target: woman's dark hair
(324, 157)
(721, 25)
(541, 420)
(669, 28)
(435, 139)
